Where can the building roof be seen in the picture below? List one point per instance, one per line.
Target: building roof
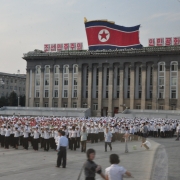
(39, 54)
(13, 75)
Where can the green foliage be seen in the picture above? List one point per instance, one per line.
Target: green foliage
(12, 100)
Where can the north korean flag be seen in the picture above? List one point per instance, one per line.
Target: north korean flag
(106, 35)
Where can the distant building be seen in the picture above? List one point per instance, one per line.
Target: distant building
(106, 81)
(12, 82)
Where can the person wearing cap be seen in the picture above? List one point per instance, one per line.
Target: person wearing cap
(25, 138)
(73, 136)
(107, 139)
(2, 135)
(16, 138)
(36, 139)
(7, 135)
(46, 139)
(126, 137)
(84, 136)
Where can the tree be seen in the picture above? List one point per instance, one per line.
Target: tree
(3, 101)
(13, 99)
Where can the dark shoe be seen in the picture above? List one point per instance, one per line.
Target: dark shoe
(57, 166)
(105, 151)
(63, 167)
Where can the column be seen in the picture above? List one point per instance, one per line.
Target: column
(99, 91)
(121, 89)
(132, 88)
(110, 91)
(79, 87)
(60, 86)
(143, 86)
(32, 88)
(51, 87)
(167, 86)
(155, 84)
(42, 88)
(70, 87)
(178, 89)
(27, 87)
(90, 86)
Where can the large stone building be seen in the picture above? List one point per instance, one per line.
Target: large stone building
(105, 81)
(12, 82)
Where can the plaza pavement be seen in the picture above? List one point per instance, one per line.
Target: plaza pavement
(30, 165)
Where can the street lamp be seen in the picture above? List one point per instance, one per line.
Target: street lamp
(18, 101)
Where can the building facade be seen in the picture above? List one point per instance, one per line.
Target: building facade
(12, 82)
(105, 81)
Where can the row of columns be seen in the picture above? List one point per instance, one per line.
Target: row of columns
(30, 99)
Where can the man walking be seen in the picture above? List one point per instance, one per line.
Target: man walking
(107, 139)
(62, 148)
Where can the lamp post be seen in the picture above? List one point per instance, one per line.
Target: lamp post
(18, 101)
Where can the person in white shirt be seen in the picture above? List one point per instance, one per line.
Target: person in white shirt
(2, 135)
(78, 137)
(7, 135)
(146, 144)
(36, 139)
(25, 138)
(115, 172)
(73, 136)
(126, 137)
(107, 139)
(16, 138)
(46, 139)
(177, 131)
(84, 135)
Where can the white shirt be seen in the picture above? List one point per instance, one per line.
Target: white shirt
(7, 132)
(107, 137)
(73, 134)
(115, 172)
(46, 135)
(16, 133)
(63, 141)
(36, 134)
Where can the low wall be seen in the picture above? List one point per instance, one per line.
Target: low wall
(40, 111)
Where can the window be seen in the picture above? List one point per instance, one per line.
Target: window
(128, 81)
(106, 94)
(173, 107)
(161, 81)
(140, 94)
(11, 87)
(75, 93)
(55, 93)
(38, 70)
(37, 93)
(55, 104)
(66, 69)
(15, 81)
(15, 88)
(95, 106)
(96, 94)
(11, 80)
(151, 76)
(36, 104)
(173, 94)
(65, 105)
(47, 69)
(173, 81)
(56, 69)
(161, 107)
(117, 95)
(65, 82)
(97, 77)
(161, 95)
(174, 66)
(56, 82)
(75, 69)
(149, 106)
(75, 82)
(128, 94)
(139, 76)
(65, 93)
(161, 67)
(37, 82)
(138, 106)
(86, 94)
(46, 93)
(47, 82)
(150, 94)
(46, 104)
(74, 105)
(84, 105)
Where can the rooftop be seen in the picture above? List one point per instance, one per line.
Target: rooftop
(13, 75)
(39, 54)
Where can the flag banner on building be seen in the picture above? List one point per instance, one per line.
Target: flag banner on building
(107, 35)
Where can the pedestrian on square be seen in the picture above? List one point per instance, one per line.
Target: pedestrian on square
(177, 132)
(126, 137)
(62, 148)
(146, 144)
(107, 139)
(84, 135)
(90, 167)
(115, 172)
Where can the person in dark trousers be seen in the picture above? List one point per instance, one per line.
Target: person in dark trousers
(107, 139)
(90, 167)
(83, 139)
(62, 148)
(73, 136)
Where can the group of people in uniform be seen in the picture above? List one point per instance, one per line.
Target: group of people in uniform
(42, 132)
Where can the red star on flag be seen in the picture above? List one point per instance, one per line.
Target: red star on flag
(103, 35)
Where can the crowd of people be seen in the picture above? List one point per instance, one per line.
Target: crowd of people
(17, 130)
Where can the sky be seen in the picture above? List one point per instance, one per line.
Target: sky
(26, 25)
